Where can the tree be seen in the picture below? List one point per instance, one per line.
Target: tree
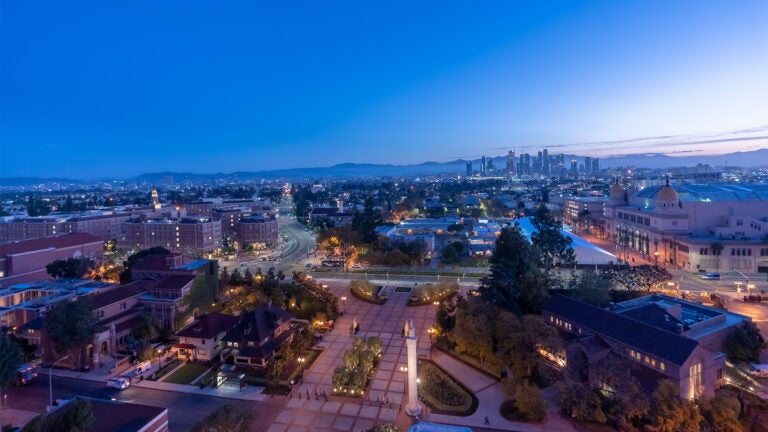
(365, 222)
(670, 413)
(453, 252)
(69, 268)
(555, 247)
(10, 358)
(77, 417)
(717, 248)
(516, 283)
(721, 414)
(581, 402)
(227, 418)
(592, 289)
(529, 402)
(70, 326)
(745, 343)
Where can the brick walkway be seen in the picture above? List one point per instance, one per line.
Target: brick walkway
(347, 414)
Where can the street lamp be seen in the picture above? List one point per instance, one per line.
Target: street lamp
(343, 302)
(301, 361)
(656, 256)
(50, 381)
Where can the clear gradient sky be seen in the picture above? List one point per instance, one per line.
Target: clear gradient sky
(92, 89)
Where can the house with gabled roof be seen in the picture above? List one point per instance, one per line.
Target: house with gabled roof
(258, 335)
(203, 338)
(656, 335)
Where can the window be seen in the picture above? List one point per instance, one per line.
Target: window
(662, 366)
(695, 381)
(202, 341)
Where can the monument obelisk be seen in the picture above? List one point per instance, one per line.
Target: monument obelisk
(413, 408)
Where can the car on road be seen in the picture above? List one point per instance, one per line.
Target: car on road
(711, 276)
(309, 264)
(118, 383)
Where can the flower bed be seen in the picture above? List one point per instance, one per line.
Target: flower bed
(443, 393)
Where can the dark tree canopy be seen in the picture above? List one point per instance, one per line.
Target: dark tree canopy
(227, 418)
(69, 268)
(365, 222)
(745, 343)
(70, 325)
(10, 358)
(555, 248)
(516, 282)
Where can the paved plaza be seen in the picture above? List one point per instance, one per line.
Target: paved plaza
(385, 401)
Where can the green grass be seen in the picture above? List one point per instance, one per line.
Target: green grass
(186, 374)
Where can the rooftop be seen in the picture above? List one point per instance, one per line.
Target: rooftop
(64, 241)
(712, 192)
(662, 344)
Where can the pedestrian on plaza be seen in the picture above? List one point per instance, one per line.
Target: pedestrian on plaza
(487, 422)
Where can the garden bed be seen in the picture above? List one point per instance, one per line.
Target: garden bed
(444, 394)
(186, 374)
(428, 294)
(367, 298)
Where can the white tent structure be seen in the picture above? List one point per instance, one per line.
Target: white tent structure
(586, 252)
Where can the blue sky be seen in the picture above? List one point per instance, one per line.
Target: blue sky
(92, 89)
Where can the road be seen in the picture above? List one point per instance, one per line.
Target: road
(184, 409)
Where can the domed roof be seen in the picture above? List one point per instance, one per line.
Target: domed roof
(667, 193)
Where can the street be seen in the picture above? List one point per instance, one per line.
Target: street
(184, 409)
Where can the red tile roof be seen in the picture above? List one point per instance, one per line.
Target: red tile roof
(60, 242)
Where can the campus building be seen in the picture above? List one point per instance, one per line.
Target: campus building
(259, 229)
(25, 261)
(714, 227)
(192, 236)
(660, 337)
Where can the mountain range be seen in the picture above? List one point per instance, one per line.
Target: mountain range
(754, 158)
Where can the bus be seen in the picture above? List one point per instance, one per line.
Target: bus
(26, 373)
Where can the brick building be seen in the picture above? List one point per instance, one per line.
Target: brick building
(192, 236)
(257, 229)
(25, 261)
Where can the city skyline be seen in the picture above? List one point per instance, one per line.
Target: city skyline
(119, 90)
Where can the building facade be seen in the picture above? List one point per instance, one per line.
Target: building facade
(191, 236)
(716, 227)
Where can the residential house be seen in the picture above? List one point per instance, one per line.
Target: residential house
(202, 340)
(258, 335)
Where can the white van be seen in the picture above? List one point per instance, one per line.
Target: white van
(144, 366)
(118, 383)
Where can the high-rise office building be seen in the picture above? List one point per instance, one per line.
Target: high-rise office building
(469, 169)
(587, 165)
(511, 163)
(482, 166)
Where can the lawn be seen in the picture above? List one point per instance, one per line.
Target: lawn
(186, 374)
